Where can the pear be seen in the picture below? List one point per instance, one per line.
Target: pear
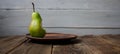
(35, 28)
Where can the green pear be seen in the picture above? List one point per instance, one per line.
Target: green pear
(35, 28)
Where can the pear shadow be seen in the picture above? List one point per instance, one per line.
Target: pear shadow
(57, 42)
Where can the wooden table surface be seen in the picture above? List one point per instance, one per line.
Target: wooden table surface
(88, 44)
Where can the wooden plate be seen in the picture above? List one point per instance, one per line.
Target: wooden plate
(53, 37)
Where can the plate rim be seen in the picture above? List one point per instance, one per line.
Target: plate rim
(45, 39)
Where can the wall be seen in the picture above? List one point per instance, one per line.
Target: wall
(79, 17)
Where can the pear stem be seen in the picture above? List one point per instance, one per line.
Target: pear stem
(33, 7)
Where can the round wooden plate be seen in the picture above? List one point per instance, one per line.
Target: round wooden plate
(53, 37)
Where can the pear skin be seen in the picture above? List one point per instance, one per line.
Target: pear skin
(35, 28)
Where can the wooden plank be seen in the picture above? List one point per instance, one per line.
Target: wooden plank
(79, 18)
(77, 48)
(97, 44)
(17, 21)
(62, 4)
(9, 43)
(111, 38)
(88, 45)
(32, 48)
(13, 30)
(114, 40)
(71, 48)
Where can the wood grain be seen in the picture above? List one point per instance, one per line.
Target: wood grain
(9, 43)
(32, 48)
(70, 48)
(99, 46)
(64, 4)
(90, 45)
(91, 22)
(61, 13)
